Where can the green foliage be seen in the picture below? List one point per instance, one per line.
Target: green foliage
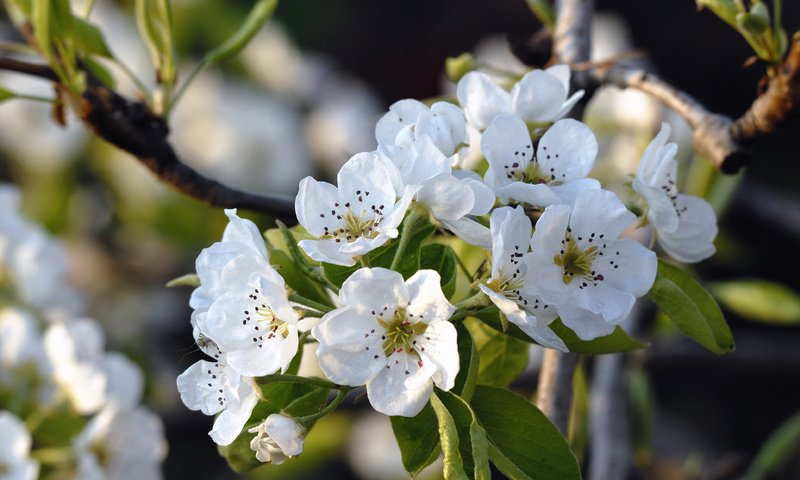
(523, 443)
(6, 94)
(258, 16)
(89, 39)
(457, 67)
(418, 439)
(766, 36)
(188, 280)
(691, 308)
(442, 259)
(463, 440)
(502, 358)
(468, 363)
(759, 300)
(782, 445)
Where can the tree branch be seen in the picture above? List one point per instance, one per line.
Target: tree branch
(554, 391)
(573, 32)
(133, 127)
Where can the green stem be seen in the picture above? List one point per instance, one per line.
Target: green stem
(295, 297)
(414, 219)
(305, 421)
(53, 455)
(468, 306)
(313, 381)
(300, 260)
(35, 98)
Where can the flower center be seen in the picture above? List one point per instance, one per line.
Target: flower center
(574, 261)
(266, 317)
(400, 333)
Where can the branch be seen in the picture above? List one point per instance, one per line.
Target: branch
(572, 37)
(133, 127)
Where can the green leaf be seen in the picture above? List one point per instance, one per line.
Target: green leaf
(99, 72)
(89, 39)
(617, 341)
(691, 308)
(295, 277)
(442, 259)
(755, 24)
(475, 453)
(188, 280)
(40, 16)
(759, 300)
(501, 357)
(418, 439)
(258, 16)
(468, 363)
(449, 437)
(6, 94)
(724, 9)
(523, 443)
(782, 445)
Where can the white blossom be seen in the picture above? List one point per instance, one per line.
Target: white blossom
(443, 123)
(555, 175)
(579, 264)
(15, 449)
(507, 288)
(685, 225)
(121, 444)
(539, 97)
(277, 438)
(21, 344)
(392, 336)
(358, 216)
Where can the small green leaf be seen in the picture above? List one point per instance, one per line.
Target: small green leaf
(543, 11)
(442, 259)
(448, 435)
(457, 67)
(40, 16)
(258, 16)
(523, 443)
(501, 358)
(724, 9)
(418, 439)
(691, 308)
(475, 453)
(188, 280)
(468, 363)
(759, 300)
(100, 72)
(755, 24)
(89, 39)
(782, 445)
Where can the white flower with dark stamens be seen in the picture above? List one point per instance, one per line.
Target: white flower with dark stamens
(255, 326)
(685, 225)
(451, 200)
(359, 216)
(579, 264)
(539, 97)
(15, 449)
(392, 336)
(555, 175)
(507, 288)
(121, 443)
(443, 122)
(214, 387)
(277, 438)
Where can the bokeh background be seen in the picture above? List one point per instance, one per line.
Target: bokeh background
(305, 96)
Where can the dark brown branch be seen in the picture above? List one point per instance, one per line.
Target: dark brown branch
(133, 127)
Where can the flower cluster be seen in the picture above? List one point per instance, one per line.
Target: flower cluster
(52, 360)
(560, 248)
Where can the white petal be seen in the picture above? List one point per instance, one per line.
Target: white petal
(568, 104)
(419, 160)
(14, 437)
(509, 307)
(389, 394)
(446, 125)
(125, 382)
(244, 231)
(539, 195)
(507, 146)
(350, 368)
(484, 196)
(611, 304)
(542, 273)
(660, 210)
(276, 354)
(286, 432)
(228, 426)
(628, 266)
(447, 197)
(538, 96)
(544, 336)
(394, 215)
(374, 288)
(568, 192)
(315, 206)
(585, 324)
(351, 328)
(200, 390)
(566, 151)
(401, 114)
(441, 349)
(694, 238)
(599, 212)
(328, 251)
(562, 73)
(426, 301)
(470, 231)
(366, 180)
(481, 98)
(511, 235)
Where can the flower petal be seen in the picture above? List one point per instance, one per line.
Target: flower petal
(350, 368)
(200, 385)
(470, 231)
(585, 324)
(511, 236)
(374, 288)
(694, 238)
(566, 151)
(628, 266)
(389, 394)
(350, 328)
(426, 301)
(538, 96)
(507, 146)
(316, 206)
(402, 113)
(447, 197)
(481, 98)
(441, 349)
(599, 212)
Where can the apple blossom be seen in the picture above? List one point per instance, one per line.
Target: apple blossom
(579, 264)
(685, 225)
(15, 449)
(392, 336)
(556, 174)
(443, 123)
(359, 216)
(507, 288)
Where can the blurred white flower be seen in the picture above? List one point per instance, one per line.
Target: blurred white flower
(121, 444)
(277, 438)
(15, 448)
(21, 344)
